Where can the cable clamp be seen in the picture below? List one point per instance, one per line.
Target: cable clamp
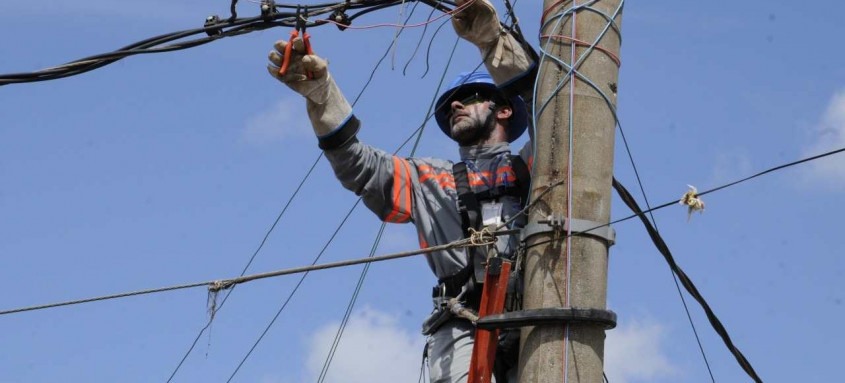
(548, 316)
(340, 19)
(558, 225)
(268, 9)
(211, 21)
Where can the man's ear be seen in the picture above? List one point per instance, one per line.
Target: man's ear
(504, 112)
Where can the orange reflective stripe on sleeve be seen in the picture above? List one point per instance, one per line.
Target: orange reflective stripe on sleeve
(401, 192)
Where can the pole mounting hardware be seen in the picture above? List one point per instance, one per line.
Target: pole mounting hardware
(556, 224)
(211, 21)
(548, 316)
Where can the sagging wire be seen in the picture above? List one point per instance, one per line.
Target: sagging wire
(419, 43)
(319, 157)
(399, 30)
(430, 44)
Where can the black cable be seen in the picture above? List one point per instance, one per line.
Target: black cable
(419, 43)
(428, 50)
(674, 278)
(686, 281)
(671, 203)
(231, 27)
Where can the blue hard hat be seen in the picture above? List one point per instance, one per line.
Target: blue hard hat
(479, 81)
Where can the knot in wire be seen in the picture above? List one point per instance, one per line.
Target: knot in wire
(220, 285)
(482, 237)
(692, 201)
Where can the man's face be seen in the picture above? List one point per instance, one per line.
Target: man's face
(472, 118)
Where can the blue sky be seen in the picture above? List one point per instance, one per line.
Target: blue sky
(169, 168)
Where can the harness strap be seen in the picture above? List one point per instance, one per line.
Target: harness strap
(469, 209)
(523, 177)
(468, 205)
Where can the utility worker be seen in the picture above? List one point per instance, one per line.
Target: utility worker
(483, 114)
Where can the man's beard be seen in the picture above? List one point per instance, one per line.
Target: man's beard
(470, 131)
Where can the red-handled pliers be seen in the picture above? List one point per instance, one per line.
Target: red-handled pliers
(306, 39)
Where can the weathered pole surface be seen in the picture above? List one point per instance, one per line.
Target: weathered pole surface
(555, 277)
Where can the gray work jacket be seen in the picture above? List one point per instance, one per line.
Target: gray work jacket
(422, 191)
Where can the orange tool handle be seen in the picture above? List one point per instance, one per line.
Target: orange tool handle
(288, 50)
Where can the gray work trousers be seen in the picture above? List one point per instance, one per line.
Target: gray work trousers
(450, 351)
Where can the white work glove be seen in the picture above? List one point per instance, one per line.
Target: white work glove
(504, 57)
(478, 23)
(326, 105)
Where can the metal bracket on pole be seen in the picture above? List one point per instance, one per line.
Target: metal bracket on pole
(555, 315)
(556, 223)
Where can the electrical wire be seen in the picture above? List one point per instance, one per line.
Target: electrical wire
(366, 85)
(217, 307)
(686, 281)
(234, 281)
(363, 276)
(612, 107)
(218, 285)
(199, 335)
(214, 30)
(419, 43)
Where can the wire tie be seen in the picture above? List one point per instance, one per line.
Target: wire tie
(220, 285)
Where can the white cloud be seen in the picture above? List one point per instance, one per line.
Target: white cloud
(634, 353)
(374, 349)
(285, 119)
(830, 134)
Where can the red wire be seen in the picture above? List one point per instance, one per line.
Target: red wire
(549, 9)
(613, 56)
(450, 13)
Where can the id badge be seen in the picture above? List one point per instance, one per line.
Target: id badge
(491, 213)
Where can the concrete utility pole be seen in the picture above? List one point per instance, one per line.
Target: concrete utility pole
(552, 280)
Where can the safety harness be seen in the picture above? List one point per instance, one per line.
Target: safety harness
(469, 208)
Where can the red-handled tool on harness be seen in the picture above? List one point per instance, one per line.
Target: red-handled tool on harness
(306, 40)
(492, 302)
